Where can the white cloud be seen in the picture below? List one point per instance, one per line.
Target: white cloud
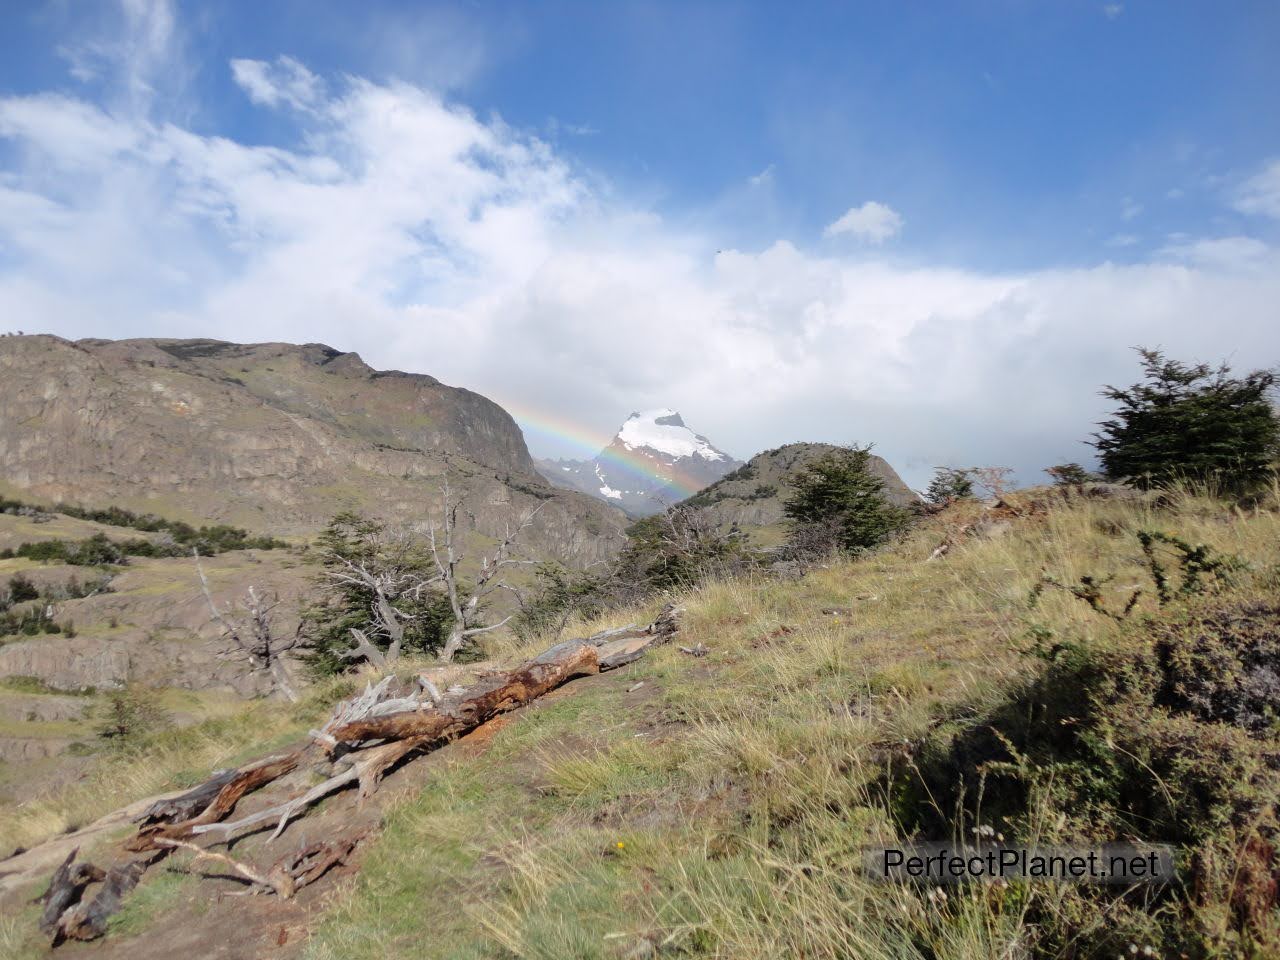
(1221, 252)
(403, 226)
(874, 222)
(138, 57)
(1122, 240)
(271, 84)
(1130, 208)
(763, 178)
(1112, 10)
(1260, 194)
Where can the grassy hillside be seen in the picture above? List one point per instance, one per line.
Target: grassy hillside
(719, 809)
(718, 806)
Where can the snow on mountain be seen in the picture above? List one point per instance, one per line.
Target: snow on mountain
(664, 431)
(654, 460)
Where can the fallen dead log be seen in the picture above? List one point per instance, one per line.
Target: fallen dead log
(429, 720)
(245, 781)
(88, 921)
(367, 736)
(65, 889)
(287, 875)
(67, 915)
(188, 804)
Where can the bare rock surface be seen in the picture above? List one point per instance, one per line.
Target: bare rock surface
(273, 437)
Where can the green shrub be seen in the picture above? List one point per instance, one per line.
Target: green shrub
(1070, 475)
(557, 596)
(1170, 737)
(342, 606)
(21, 589)
(678, 548)
(1191, 422)
(839, 497)
(130, 715)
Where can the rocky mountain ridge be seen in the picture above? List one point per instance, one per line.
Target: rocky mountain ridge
(273, 437)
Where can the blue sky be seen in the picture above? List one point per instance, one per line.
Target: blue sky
(873, 221)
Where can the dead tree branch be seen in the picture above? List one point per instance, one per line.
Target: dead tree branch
(444, 550)
(250, 634)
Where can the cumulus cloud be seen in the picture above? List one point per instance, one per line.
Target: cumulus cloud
(874, 222)
(401, 225)
(1260, 194)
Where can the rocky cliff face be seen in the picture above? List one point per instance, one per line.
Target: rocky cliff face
(653, 461)
(273, 437)
(752, 496)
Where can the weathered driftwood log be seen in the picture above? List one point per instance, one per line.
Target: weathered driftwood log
(368, 735)
(88, 921)
(65, 889)
(246, 780)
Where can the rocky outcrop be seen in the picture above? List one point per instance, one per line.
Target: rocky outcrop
(752, 497)
(152, 626)
(274, 437)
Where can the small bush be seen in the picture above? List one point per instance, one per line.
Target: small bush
(1070, 475)
(557, 597)
(130, 715)
(22, 589)
(950, 484)
(1169, 737)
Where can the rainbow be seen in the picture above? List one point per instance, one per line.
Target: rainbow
(542, 423)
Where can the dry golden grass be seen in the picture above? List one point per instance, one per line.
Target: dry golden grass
(168, 760)
(733, 829)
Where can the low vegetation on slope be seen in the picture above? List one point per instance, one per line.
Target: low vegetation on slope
(720, 809)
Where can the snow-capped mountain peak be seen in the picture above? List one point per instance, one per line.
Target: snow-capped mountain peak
(663, 430)
(654, 460)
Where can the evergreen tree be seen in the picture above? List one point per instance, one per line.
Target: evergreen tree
(950, 484)
(352, 539)
(838, 492)
(1191, 421)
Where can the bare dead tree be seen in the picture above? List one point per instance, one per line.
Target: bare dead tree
(389, 581)
(445, 551)
(248, 630)
(993, 481)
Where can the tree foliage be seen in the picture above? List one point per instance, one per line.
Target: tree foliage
(678, 548)
(348, 604)
(839, 493)
(558, 595)
(950, 484)
(1191, 421)
(1069, 475)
